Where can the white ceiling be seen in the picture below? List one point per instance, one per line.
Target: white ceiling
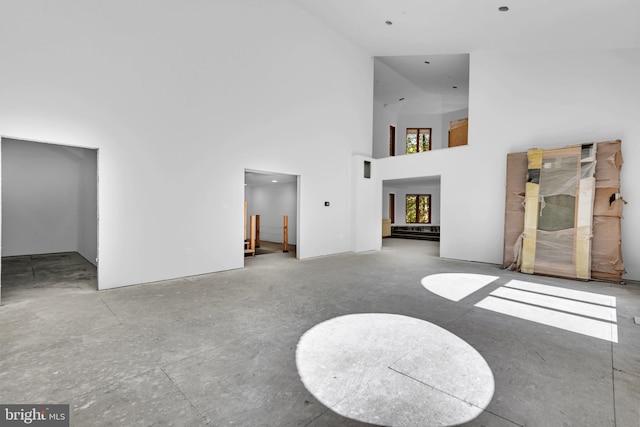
(255, 178)
(439, 31)
(440, 74)
(429, 181)
(422, 27)
(443, 78)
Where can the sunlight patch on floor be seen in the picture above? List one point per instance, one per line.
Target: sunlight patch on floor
(394, 370)
(585, 313)
(581, 312)
(456, 286)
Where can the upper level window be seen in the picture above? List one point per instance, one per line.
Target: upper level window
(418, 140)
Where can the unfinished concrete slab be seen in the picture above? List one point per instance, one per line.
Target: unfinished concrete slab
(393, 370)
(58, 270)
(220, 349)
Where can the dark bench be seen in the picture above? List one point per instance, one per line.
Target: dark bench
(424, 232)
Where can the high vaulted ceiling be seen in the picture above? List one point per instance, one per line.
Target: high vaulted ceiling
(443, 79)
(402, 34)
(422, 27)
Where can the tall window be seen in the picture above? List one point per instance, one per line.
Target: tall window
(392, 208)
(418, 140)
(418, 209)
(392, 140)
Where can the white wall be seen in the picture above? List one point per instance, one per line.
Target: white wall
(439, 124)
(181, 98)
(366, 218)
(400, 198)
(48, 199)
(418, 109)
(39, 199)
(88, 205)
(520, 101)
(272, 202)
(384, 117)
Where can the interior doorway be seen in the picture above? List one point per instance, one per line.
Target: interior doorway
(49, 216)
(414, 205)
(271, 214)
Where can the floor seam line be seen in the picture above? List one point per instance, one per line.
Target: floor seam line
(459, 317)
(185, 396)
(432, 387)
(622, 371)
(112, 385)
(613, 387)
(109, 308)
(315, 418)
(451, 395)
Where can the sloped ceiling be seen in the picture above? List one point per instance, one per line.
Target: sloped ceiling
(403, 34)
(465, 26)
(441, 80)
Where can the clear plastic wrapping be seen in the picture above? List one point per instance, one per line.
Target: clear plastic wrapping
(576, 228)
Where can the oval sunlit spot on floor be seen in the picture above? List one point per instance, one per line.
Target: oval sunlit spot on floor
(394, 370)
(456, 286)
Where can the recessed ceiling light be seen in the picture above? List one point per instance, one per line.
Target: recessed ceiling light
(274, 180)
(503, 9)
(388, 22)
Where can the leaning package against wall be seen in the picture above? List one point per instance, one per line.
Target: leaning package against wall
(563, 212)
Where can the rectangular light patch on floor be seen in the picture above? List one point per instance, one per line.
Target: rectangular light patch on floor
(563, 292)
(562, 312)
(560, 304)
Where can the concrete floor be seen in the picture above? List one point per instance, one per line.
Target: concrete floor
(220, 349)
(267, 248)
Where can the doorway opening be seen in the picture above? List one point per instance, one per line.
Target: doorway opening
(414, 205)
(271, 214)
(49, 217)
